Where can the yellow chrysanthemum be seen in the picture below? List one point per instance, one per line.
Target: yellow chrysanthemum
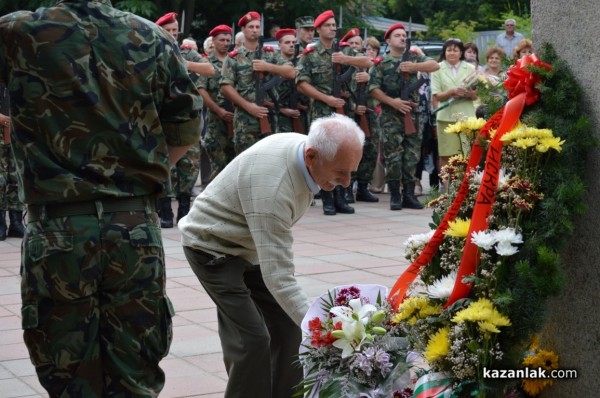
(415, 308)
(485, 314)
(514, 134)
(547, 143)
(537, 133)
(545, 359)
(438, 346)
(534, 387)
(525, 142)
(458, 228)
(474, 123)
(454, 128)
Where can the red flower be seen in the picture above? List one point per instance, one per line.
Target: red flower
(314, 324)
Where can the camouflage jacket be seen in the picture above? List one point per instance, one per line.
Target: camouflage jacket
(385, 76)
(97, 97)
(193, 56)
(211, 83)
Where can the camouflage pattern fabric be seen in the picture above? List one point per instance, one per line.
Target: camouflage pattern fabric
(366, 167)
(97, 97)
(401, 152)
(315, 67)
(95, 315)
(9, 187)
(218, 145)
(237, 71)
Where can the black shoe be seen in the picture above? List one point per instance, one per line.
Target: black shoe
(16, 229)
(328, 206)
(363, 194)
(166, 213)
(409, 200)
(395, 198)
(3, 225)
(349, 194)
(340, 201)
(183, 207)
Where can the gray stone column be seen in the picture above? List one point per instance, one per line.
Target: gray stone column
(573, 326)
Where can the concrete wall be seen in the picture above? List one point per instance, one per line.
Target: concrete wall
(573, 327)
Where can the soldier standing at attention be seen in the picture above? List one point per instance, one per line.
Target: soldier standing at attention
(401, 151)
(287, 40)
(218, 139)
(96, 123)
(315, 79)
(305, 31)
(9, 188)
(238, 81)
(185, 173)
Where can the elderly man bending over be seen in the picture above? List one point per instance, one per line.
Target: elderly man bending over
(238, 240)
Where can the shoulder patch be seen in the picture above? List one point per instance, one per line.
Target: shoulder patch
(377, 60)
(204, 55)
(308, 50)
(268, 48)
(233, 53)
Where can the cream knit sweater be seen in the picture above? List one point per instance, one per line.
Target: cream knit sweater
(249, 210)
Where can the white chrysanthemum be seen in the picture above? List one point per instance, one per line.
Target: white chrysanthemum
(508, 235)
(483, 239)
(442, 288)
(505, 249)
(419, 239)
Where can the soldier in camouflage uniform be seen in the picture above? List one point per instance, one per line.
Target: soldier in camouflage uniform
(238, 81)
(401, 151)
(96, 123)
(9, 189)
(305, 31)
(315, 79)
(185, 173)
(287, 88)
(218, 139)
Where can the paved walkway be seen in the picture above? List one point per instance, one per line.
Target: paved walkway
(366, 247)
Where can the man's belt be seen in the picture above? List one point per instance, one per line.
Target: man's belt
(105, 205)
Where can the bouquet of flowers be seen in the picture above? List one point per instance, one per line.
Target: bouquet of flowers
(474, 295)
(352, 346)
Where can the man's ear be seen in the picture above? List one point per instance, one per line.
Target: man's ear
(311, 156)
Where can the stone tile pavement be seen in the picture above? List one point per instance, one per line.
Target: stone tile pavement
(366, 247)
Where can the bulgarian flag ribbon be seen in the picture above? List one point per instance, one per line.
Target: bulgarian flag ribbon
(434, 385)
(520, 84)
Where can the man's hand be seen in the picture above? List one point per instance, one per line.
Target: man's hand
(362, 77)
(338, 58)
(335, 102)
(409, 67)
(360, 110)
(289, 112)
(401, 105)
(225, 115)
(260, 65)
(257, 111)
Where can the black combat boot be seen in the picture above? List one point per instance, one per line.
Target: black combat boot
(328, 206)
(166, 213)
(409, 200)
(349, 194)
(395, 198)
(183, 207)
(15, 228)
(363, 194)
(339, 200)
(2, 224)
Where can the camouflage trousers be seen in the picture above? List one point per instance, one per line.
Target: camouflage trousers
(366, 167)
(185, 173)
(218, 146)
(246, 130)
(96, 318)
(401, 152)
(9, 187)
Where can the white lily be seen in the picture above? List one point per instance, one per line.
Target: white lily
(354, 319)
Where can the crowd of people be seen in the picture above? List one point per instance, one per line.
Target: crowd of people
(105, 130)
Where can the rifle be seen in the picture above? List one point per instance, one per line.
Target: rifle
(338, 77)
(228, 106)
(293, 102)
(406, 89)
(361, 99)
(259, 89)
(232, 44)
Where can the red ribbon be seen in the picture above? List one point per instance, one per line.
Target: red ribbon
(521, 90)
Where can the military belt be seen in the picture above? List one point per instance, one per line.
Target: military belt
(99, 206)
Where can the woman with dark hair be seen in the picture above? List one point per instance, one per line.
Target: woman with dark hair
(448, 83)
(472, 55)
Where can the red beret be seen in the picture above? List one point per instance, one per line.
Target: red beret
(324, 17)
(249, 16)
(219, 29)
(393, 28)
(168, 18)
(282, 32)
(351, 33)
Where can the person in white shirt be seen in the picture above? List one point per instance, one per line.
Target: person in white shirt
(238, 240)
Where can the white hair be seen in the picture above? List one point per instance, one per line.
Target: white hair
(207, 42)
(511, 20)
(327, 134)
(189, 43)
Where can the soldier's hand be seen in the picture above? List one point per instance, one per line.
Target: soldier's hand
(338, 58)
(257, 111)
(360, 110)
(409, 67)
(401, 105)
(361, 77)
(260, 66)
(225, 115)
(335, 102)
(289, 112)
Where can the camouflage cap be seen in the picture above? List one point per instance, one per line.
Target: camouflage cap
(305, 22)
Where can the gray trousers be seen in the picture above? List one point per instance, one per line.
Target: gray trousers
(260, 341)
